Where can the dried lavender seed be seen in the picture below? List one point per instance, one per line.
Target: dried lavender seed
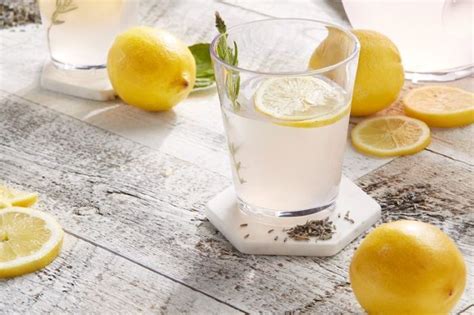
(243, 225)
(270, 231)
(246, 235)
(276, 238)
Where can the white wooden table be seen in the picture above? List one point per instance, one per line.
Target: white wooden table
(130, 187)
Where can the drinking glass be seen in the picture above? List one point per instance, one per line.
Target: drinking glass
(80, 32)
(286, 167)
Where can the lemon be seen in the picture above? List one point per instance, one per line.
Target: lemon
(440, 106)
(380, 75)
(301, 101)
(390, 136)
(29, 240)
(11, 197)
(336, 47)
(407, 267)
(150, 68)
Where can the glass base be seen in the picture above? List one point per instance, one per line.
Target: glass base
(65, 66)
(321, 211)
(440, 76)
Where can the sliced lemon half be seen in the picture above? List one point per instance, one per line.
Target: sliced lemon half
(29, 240)
(12, 197)
(440, 106)
(390, 136)
(304, 102)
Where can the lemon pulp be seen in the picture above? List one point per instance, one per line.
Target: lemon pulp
(390, 136)
(29, 240)
(301, 101)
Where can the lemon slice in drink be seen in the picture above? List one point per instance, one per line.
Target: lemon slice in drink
(12, 197)
(301, 101)
(29, 240)
(440, 106)
(390, 136)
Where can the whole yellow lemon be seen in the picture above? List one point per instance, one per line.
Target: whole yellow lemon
(380, 75)
(407, 267)
(150, 68)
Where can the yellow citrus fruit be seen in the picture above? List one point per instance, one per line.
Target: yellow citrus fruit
(29, 240)
(390, 136)
(12, 197)
(380, 75)
(150, 68)
(440, 106)
(407, 267)
(336, 47)
(299, 101)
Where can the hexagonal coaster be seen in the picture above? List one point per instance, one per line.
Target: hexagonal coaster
(91, 84)
(254, 237)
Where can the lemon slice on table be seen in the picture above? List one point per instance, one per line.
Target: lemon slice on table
(390, 136)
(11, 197)
(29, 240)
(440, 106)
(301, 101)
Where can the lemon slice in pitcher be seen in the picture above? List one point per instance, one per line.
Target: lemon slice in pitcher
(29, 240)
(390, 136)
(301, 101)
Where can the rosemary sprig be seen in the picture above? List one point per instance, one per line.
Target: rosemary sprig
(62, 6)
(229, 55)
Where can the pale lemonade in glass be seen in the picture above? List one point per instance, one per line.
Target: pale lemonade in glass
(80, 32)
(287, 127)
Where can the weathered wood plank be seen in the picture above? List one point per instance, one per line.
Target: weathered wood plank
(326, 10)
(87, 279)
(146, 205)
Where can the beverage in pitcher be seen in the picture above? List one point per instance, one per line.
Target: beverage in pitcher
(80, 32)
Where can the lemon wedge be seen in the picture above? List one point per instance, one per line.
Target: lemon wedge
(390, 136)
(29, 240)
(301, 101)
(11, 197)
(440, 106)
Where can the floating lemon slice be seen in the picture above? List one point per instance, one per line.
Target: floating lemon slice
(440, 106)
(390, 136)
(11, 197)
(29, 240)
(304, 102)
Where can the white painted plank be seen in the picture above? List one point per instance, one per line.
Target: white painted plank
(87, 279)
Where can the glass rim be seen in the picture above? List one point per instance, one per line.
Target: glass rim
(346, 31)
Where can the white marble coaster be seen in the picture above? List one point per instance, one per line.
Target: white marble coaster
(222, 211)
(91, 84)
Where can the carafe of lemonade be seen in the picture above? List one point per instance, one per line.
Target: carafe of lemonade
(80, 32)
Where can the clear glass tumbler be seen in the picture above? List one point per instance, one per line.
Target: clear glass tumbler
(80, 32)
(285, 102)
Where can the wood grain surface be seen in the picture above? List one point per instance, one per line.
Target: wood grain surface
(129, 187)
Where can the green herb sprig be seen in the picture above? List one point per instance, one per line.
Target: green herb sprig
(62, 6)
(204, 70)
(229, 55)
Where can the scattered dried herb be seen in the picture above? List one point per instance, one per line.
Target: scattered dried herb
(246, 235)
(243, 225)
(270, 231)
(319, 229)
